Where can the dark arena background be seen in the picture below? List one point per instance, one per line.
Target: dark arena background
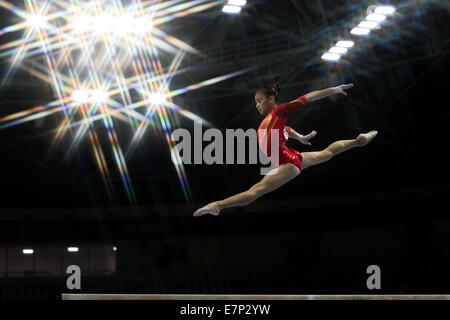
(91, 92)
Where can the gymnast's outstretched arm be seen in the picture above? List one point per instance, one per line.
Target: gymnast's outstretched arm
(320, 94)
(292, 134)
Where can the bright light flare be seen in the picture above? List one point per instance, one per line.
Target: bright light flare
(122, 25)
(142, 26)
(36, 21)
(339, 50)
(360, 31)
(103, 24)
(331, 56)
(80, 96)
(385, 10)
(81, 24)
(99, 96)
(375, 17)
(345, 44)
(368, 24)
(231, 9)
(157, 98)
(237, 2)
(95, 96)
(72, 249)
(113, 49)
(27, 251)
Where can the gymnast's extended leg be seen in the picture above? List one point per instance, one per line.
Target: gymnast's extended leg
(275, 179)
(283, 174)
(337, 147)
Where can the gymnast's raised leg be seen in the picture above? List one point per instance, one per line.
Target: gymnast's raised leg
(283, 174)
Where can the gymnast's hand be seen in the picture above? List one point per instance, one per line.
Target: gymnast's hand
(340, 89)
(304, 139)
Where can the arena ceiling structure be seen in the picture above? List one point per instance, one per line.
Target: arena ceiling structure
(91, 91)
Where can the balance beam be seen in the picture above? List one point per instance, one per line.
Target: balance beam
(95, 296)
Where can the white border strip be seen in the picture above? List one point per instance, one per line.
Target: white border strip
(70, 296)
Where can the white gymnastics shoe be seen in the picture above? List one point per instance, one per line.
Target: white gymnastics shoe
(364, 138)
(208, 209)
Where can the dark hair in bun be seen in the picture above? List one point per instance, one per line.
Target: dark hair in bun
(270, 90)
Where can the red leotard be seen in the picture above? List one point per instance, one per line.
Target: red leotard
(276, 120)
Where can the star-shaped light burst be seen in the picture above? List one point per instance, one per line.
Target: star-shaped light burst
(101, 58)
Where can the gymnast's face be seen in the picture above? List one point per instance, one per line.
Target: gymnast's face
(264, 104)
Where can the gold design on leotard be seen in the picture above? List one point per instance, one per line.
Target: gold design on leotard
(269, 117)
(299, 100)
(270, 131)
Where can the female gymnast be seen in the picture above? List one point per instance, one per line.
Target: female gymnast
(290, 161)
